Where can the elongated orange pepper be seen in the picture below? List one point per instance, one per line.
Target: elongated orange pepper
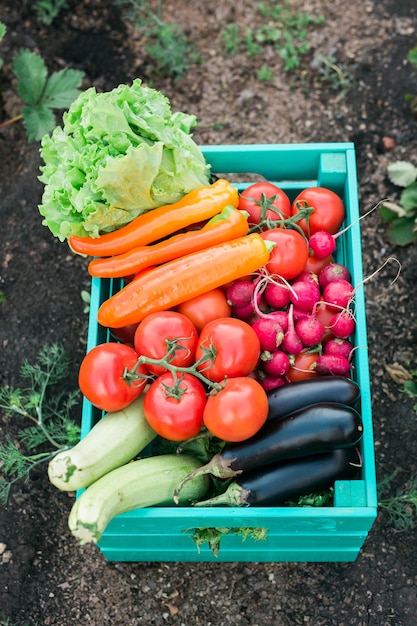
(200, 204)
(188, 276)
(227, 225)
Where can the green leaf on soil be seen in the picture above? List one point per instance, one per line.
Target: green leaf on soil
(402, 173)
(38, 121)
(409, 197)
(402, 231)
(31, 72)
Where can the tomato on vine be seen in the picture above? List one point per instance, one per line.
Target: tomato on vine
(166, 331)
(328, 210)
(264, 201)
(110, 378)
(232, 348)
(174, 406)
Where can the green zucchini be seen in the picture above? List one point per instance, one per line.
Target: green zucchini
(142, 483)
(113, 441)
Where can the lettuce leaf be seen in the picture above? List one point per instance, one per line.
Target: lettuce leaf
(118, 154)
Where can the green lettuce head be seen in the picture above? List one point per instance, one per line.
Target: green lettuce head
(119, 154)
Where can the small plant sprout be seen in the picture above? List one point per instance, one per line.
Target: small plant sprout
(401, 216)
(48, 10)
(42, 404)
(42, 94)
(402, 506)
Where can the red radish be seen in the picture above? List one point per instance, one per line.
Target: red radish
(281, 317)
(240, 293)
(338, 293)
(343, 324)
(299, 314)
(309, 276)
(291, 343)
(304, 294)
(243, 312)
(269, 332)
(322, 244)
(333, 271)
(329, 364)
(310, 331)
(339, 347)
(272, 382)
(276, 363)
(277, 295)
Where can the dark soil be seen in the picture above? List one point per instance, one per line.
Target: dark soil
(46, 578)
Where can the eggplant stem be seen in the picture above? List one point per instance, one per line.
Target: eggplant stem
(235, 495)
(217, 466)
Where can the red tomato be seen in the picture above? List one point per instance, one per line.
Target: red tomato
(174, 407)
(205, 308)
(256, 199)
(303, 366)
(328, 214)
(325, 315)
(155, 334)
(289, 256)
(315, 265)
(235, 347)
(102, 377)
(238, 411)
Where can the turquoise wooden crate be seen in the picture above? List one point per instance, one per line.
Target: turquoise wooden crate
(335, 533)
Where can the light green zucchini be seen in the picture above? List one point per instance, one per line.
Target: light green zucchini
(142, 483)
(113, 441)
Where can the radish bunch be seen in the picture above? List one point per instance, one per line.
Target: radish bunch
(307, 320)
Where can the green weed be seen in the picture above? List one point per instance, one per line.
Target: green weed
(401, 216)
(169, 51)
(284, 29)
(48, 10)
(42, 404)
(40, 93)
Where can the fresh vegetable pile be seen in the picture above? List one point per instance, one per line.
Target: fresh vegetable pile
(232, 331)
